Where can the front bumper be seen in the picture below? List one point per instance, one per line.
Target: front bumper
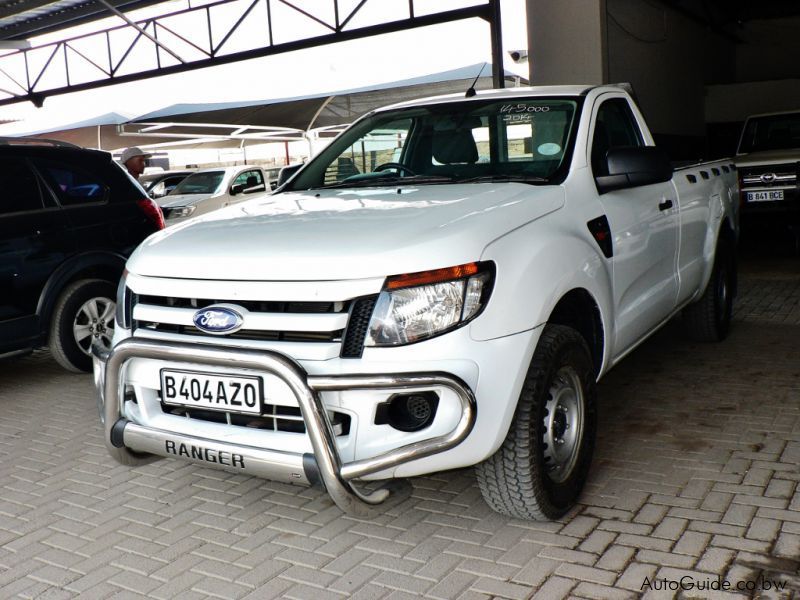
(124, 438)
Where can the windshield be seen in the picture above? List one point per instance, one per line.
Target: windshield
(776, 132)
(526, 139)
(199, 183)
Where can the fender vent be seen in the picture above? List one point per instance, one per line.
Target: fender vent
(601, 232)
(357, 325)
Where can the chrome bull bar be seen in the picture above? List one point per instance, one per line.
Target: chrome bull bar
(124, 438)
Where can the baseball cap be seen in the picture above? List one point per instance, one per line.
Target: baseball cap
(129, 153)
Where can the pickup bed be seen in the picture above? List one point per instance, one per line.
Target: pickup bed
(441, 287)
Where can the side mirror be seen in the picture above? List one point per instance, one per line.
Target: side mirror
(286, 173)
(237, 188)
(630, 167)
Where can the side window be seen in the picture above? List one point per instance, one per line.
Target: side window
(249, 179)
(373, 150)
(72, 185)
(615, 126)
(20, 187)
(171, 182)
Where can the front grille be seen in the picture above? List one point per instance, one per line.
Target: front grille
(357, 325)
(785, 175)
(248, 334)
(274, 418)
(257, 306)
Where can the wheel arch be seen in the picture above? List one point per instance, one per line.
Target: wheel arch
(579, 310)
(90, 265)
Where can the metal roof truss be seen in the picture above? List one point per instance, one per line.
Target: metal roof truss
(209, 35)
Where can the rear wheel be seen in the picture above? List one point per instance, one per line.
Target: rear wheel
(539, 471)
(84, 314)
(709, 319)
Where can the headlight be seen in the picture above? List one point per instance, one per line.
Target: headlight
(419, 306)
(124, 297)
(180, 212)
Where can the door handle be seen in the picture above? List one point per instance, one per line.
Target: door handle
(666, 204)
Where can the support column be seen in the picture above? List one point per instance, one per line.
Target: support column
(567, 42)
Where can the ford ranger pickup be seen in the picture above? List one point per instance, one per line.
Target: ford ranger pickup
(440, 287)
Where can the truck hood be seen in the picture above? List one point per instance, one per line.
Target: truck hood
(344, 233)
(171, 200)
(768, 157)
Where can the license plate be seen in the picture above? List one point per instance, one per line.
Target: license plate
(231, 393)
(764, 196)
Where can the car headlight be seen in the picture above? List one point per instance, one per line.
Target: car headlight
(419, 306)
(179, 212)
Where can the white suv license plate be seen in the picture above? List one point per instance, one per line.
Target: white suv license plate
(230, 393)
(764, 196)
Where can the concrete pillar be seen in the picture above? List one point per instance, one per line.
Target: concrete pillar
(567, 42)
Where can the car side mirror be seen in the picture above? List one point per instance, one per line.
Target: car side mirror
(286, 173)
(630, 167)
(237, 188)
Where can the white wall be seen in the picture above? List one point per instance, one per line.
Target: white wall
(566, 42)
(734, 102)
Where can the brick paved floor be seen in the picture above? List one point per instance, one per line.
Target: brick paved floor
(696, 475)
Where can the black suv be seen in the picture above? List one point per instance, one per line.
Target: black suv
(69, 217)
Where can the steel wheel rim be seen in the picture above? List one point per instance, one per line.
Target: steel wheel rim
(94, 324)
(563, 424)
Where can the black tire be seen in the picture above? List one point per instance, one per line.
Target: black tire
(70, 311)
(519, 479)
(709, 318)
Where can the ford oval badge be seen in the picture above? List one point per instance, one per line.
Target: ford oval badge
(217, 320)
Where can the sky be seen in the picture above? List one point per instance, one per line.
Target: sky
(317, 70)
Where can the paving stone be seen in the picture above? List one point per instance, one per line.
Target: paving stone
(634, 576)
(75, 524)
(616, 558)
(763, 529)
(715, 560)
(597, 542)
(555, 589)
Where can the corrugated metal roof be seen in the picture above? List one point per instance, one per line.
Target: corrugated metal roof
(21, 19)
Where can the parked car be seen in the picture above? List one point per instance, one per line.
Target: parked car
(69, 220)
(160, 184)
(390, 314)
(767, 157)
(210, 189)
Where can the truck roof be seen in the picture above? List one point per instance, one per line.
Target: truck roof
(773, 114)
(515, 92)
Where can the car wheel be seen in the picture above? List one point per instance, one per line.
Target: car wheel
(539, 471)
(84, 314)
(709, 318)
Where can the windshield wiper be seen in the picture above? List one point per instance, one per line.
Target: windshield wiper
(501, 177)
(389, 179)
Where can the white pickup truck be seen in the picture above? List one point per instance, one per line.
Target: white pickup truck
(440, 287)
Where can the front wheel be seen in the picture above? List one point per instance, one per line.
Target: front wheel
(84, 314)
(539, 471)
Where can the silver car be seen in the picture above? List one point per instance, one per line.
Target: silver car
(211, 189)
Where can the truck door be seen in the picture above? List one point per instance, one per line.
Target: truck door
(644, 227)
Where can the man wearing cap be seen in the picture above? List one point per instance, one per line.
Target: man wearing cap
(133, 159)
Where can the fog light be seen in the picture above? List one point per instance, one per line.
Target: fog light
(408, 412)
